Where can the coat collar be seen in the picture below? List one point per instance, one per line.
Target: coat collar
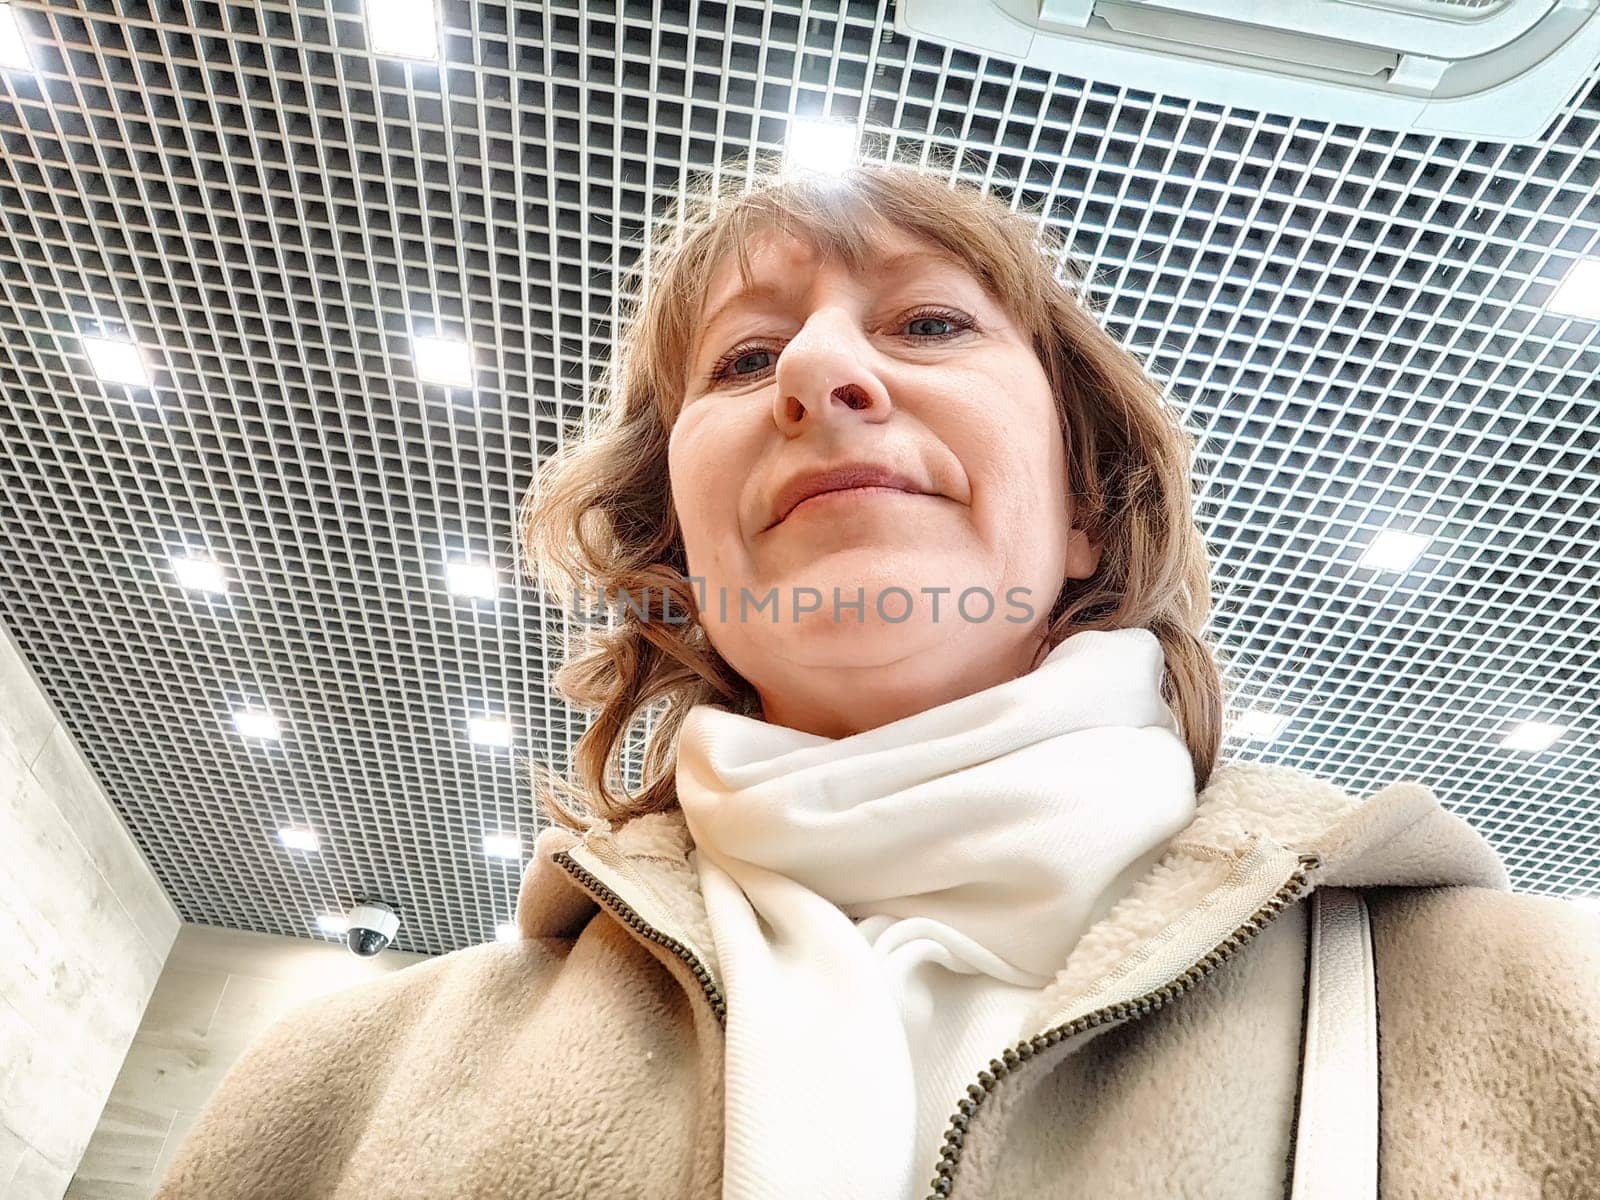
(1252, 825)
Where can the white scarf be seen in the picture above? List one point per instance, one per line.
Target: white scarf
(885, 907)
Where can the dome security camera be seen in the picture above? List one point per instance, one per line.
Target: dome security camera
(372, 928)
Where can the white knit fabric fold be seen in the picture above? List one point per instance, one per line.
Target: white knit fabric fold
(886, 906)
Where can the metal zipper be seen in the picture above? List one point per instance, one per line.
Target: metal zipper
(593, 885)
(1292, 890)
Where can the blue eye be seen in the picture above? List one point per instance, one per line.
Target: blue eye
(748, 354)
(940, 320)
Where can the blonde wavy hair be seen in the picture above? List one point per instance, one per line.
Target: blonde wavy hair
(600, 513)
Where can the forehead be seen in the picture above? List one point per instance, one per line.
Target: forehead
(780, 263)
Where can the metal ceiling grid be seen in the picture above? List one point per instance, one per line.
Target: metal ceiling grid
(1353, 323)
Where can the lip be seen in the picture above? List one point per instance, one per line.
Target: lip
(838, 479)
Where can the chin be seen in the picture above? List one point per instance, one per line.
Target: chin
(817, 641)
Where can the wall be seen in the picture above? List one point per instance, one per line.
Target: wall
(84, 931)
(219, 990)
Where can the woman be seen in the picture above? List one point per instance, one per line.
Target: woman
(932, 884)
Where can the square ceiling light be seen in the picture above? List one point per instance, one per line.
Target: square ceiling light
(476, 581)
(1259, 725)
(402, 28)
(1579, 293)
(14, 54)
(1394, 550)
(299, 839)
(1533, 736)
(489, 731)
(256, 723)
(827, 146)
(116, 361)
(507, 931)
(502, 845)
(336, 924)
(198, 573)
(445, 361)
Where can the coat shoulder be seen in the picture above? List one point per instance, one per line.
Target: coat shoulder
(466, 983)
(485, 1073)
(1540, 940)
(1529, 955)
(298, 1085)
(1489, 1040)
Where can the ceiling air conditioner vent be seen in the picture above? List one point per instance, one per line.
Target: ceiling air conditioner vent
(1499, 69)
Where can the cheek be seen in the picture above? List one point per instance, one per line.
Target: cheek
(700, 483)
(682, 481)
(1017, 470)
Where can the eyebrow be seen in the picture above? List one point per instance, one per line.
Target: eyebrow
(894, 264)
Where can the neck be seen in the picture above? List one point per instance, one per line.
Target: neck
(839, 700)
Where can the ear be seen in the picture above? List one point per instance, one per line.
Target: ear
(1082, 557)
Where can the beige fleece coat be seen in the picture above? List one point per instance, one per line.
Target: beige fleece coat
(586, 1060)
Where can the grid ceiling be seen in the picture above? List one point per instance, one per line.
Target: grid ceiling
(1352, 321)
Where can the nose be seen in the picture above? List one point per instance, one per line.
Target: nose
(820, 380)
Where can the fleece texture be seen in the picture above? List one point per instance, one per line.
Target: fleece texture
(587, 1060)
(530, 1069)
(1495, 1067)
(1237, 1035)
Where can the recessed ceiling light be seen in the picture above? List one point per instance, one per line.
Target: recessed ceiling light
(1393, 550)
(116, 361)
(507, 931)
(299, 839)
(489, 731)
(335, 923)
(1587, 903)
(444, 361)
(1533, 735)
(477, 581)
(502, 845)
(200, 574)
(14, 53)
(403, 28)
(827, 146)
(255, 722)
(1579, 293)
(1259, 725)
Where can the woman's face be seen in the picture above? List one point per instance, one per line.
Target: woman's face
(912, 368)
